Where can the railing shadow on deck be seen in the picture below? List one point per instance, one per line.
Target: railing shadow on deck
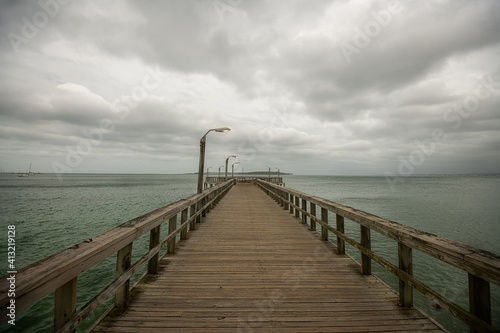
(481, 266)
(60, 271)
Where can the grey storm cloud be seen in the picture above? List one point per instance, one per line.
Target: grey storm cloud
(331, 87)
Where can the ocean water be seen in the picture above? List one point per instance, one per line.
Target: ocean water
(52, 215)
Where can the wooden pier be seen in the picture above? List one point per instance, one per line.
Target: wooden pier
(252, 267)
(250, 259)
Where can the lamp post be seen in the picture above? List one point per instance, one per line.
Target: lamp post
(202, 154)
(269, 172)
(232, 169)
(227, 160)
(219, 169)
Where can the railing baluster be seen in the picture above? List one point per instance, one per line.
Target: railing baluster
(123, 262)
(184, 216)
(154, 239)
(313, 213)
(297, 205)
(304, 210)
(406, 265)
(172, 225)
(340, 227)
(192, 212)
(291, 203)
(479, 299)
(65, 302)
(366, 263)
(324, 218)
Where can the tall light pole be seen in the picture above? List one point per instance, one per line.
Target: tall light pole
(202, 154)
(269, 172)
(227, 160)
(232, 169)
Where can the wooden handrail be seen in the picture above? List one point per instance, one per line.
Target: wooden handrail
(60, 271)
(482, 267)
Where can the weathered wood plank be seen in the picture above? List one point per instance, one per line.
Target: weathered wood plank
(254, 267)
(483, 264)
(65, 303)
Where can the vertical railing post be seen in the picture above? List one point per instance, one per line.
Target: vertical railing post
(340, 228)
(203, 202)
(297, 206)
(287, 196)
(405, 260)
(291, 203)
(154, 239)
(65, 302)
(313, 213)
(479, 299)
(123, 262)
(198, 208)
(208, 202)
(366, 264)
(324, 219)
(184, 217)
(192, 212)
(304, 210)
(172, 225)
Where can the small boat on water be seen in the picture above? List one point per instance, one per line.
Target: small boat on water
(25, 174)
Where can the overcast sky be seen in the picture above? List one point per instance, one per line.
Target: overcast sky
(310, 87)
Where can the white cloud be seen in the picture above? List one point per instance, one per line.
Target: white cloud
(272, 71)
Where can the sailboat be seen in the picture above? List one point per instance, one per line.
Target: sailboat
(25, 174)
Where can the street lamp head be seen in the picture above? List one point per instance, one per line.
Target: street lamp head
(222, 129)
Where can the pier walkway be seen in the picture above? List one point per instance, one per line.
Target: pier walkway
(251, 266)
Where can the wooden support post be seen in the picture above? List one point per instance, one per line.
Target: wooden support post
(479, 299)
(65, 303)
(297, 205)
(154, 239)
(172, 225)
(324, 218)
(198, 208)
(291, 203)
(366, 263)
(340, 228)
(192, 212)
(123, 262)
(287, 196)
(304, 210)
(406, 265)
(204, 211)
(313, 213)
(184, 217)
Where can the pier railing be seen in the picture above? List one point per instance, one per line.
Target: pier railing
(481, 266)
(244, 179)
(60, 271)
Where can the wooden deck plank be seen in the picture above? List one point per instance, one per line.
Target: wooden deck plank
(253, 267)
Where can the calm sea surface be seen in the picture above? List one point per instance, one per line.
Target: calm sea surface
(51, 216)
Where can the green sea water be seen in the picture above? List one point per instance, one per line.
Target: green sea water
(52, 215)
